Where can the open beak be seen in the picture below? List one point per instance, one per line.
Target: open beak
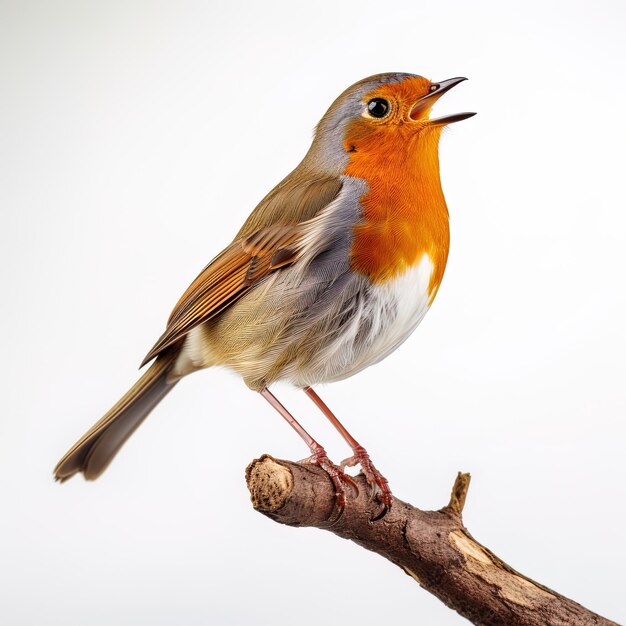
(421, 109)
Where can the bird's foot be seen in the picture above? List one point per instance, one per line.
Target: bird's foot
(340, 479)
(378, 483)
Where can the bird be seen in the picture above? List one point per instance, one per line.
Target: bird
(329, 274)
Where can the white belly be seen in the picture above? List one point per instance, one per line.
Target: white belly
(391, 313)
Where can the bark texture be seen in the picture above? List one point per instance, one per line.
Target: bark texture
(433, 547)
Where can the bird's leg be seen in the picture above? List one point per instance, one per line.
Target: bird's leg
(318, 454)
(360, 456)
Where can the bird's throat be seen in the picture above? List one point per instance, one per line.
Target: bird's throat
(404, 210)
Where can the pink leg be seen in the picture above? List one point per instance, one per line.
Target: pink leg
(318, 454)
(375, 479)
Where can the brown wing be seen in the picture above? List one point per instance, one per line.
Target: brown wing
(227, 278)
(264, 244)
(296, 199)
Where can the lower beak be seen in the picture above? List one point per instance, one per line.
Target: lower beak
(422, 107)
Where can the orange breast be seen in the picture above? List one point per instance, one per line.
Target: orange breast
(404, 210)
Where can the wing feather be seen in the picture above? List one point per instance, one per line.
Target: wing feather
(270, 239)
(232, 274)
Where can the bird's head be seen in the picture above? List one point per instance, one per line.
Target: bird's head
(387, 115)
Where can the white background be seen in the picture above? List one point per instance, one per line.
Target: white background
(135, 137)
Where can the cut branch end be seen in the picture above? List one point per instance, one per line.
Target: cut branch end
(270, 484)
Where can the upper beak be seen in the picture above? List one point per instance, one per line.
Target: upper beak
(422, 107)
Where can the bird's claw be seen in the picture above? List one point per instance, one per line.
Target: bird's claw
(340, 479)
(377, 482)
(384, 509)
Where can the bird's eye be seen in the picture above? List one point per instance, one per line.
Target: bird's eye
(378, 107)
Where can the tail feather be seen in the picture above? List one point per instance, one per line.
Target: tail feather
(92, 453)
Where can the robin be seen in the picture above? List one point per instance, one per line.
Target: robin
(329, 274)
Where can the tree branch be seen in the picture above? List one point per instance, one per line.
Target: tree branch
(433, 547)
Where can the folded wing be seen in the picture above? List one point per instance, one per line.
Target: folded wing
(227, 278)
